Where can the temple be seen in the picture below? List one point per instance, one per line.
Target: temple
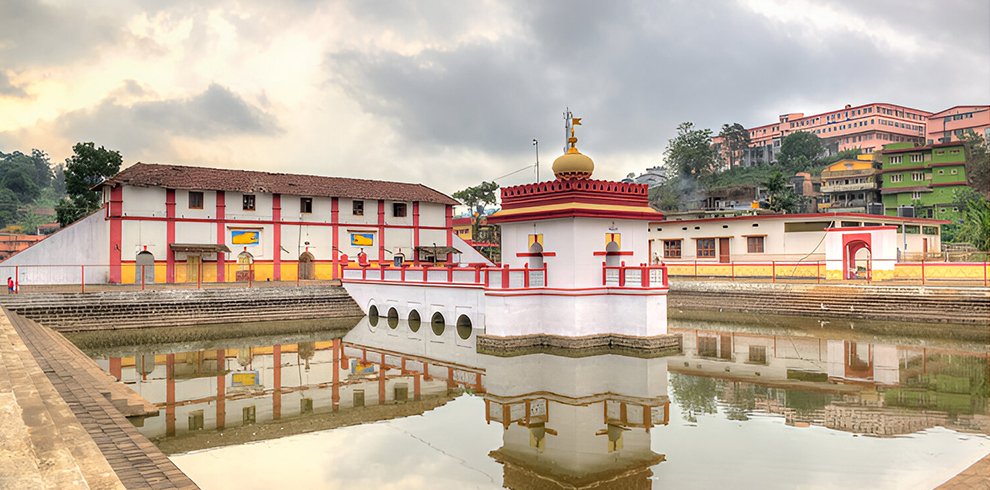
(575, 263)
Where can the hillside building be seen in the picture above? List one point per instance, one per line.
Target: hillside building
(922, 180)
(953, 123)
(850, 186)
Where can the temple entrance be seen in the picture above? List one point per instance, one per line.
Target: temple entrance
(536, 256)
(307, 269)
(612, 254)
(858, 260)
(244, 261)
(144, 265)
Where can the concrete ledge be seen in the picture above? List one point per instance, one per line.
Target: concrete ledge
(592, 345)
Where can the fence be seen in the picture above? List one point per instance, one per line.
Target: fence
(923, 272)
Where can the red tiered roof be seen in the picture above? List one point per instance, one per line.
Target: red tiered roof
(575, 198)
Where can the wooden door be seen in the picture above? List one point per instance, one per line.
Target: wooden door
(192, 268)
(723, 250)
(924, 247)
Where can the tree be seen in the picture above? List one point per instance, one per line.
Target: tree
(781, 196)
(800, 149)
(8, 207)
(667, 196)
(86, 168)
(977, 163)
(735, 139)
(476, 198)
(975, 227)
(690, 153)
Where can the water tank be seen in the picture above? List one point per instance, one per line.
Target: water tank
(875, 208)
(905, 211)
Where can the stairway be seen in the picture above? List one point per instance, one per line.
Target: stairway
(893, 303)
(72, 312)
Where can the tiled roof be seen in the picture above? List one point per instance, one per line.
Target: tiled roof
(247, 181)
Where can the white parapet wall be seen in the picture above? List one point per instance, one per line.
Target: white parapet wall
(449, 301)
(571, 314)
(77, 252)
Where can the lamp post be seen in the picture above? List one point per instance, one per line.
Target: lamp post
(536, 143)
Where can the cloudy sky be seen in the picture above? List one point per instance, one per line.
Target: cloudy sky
(450, 93)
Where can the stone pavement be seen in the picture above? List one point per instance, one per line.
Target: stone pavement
(976, 477)
(76, 437)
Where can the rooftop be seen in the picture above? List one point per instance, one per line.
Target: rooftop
(248, 181)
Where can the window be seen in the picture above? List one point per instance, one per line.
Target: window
(306, 205)
(248, 202)
(357, 208)
(954, 171)
(918, 176)
(918, 157)
(896, 159)
(671, 249)
(915, 195)
(758, 354)
(195, 200)
(754, 244)
(706, 247)
(896, 178)
(399, 209)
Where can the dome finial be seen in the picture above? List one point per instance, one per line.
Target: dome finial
(572, 164)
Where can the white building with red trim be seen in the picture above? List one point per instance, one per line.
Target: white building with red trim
(189, 224)
(575, 259)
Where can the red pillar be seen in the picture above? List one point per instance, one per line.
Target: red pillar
(169, 235)
(381, 231)
(221, 235)
(115, 212)
(415, 217)
(449, 224)
(115, 368)
(277, 381)
(334, 227)
(381, 382)
(335, 368)
(416, 388)
(170, 394)
(277, 237)
(221, 385)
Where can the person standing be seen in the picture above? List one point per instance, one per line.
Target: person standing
(10, 285)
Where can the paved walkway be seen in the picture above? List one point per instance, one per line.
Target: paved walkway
(976, 477)
(70, 435)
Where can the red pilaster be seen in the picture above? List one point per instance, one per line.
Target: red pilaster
(169, 235)
(381, 382)
(335, 239)
(221, 235)
(415, 250)
(334, 367)
(115, 212)
(115, 367)
(170, 394)
(449, 224)
(277, 247)
(381, 231)
(221, 392)
(277, 381)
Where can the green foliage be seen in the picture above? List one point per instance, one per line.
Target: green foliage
(735, 138)
(695, 394)
(690, 153)
(781, 196)
(977, 163)
(87, 167)
(8, 207)
(800, 148)
(476, 198)
(975, 228)
(668, 195)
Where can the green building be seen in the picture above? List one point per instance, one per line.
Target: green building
(925, 177)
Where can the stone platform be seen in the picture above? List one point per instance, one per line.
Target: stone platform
(592, 345)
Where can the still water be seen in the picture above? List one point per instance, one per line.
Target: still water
(384, 406)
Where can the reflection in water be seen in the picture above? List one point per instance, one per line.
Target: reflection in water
(592, 422)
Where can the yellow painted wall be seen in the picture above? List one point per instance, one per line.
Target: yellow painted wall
(907, 271)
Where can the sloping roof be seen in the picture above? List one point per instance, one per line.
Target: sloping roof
(247, 181)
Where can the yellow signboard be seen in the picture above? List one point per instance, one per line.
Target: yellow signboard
(362, 239)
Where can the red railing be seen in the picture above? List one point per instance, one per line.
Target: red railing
(503, 277)
(642, 276)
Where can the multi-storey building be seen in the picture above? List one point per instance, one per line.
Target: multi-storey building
(174, 223)
(953, 123)
(850, 186)
(866, 127)
(924, 178)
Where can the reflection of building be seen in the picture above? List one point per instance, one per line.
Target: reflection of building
(849, 385)
(576, 422)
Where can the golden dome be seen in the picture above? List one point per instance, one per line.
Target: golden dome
(573, 165)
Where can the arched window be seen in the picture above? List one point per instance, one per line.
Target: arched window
(612, 254)
(144, 263)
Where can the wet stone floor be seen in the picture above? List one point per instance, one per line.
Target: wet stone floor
(393, 405)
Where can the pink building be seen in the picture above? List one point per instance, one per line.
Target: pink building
(865, 127)
(951, 124)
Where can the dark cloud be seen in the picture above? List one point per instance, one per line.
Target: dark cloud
(8, 89)
(33, 33)
(215, 112)
(637, 69)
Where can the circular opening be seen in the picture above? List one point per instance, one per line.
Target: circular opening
(437, 323)
(393, 318)
(414, 321)
(373, 315)
(463, 327)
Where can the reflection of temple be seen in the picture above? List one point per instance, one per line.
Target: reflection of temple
(576, 422)
(849, 385)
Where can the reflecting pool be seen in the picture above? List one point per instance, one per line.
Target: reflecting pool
(392, 405)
